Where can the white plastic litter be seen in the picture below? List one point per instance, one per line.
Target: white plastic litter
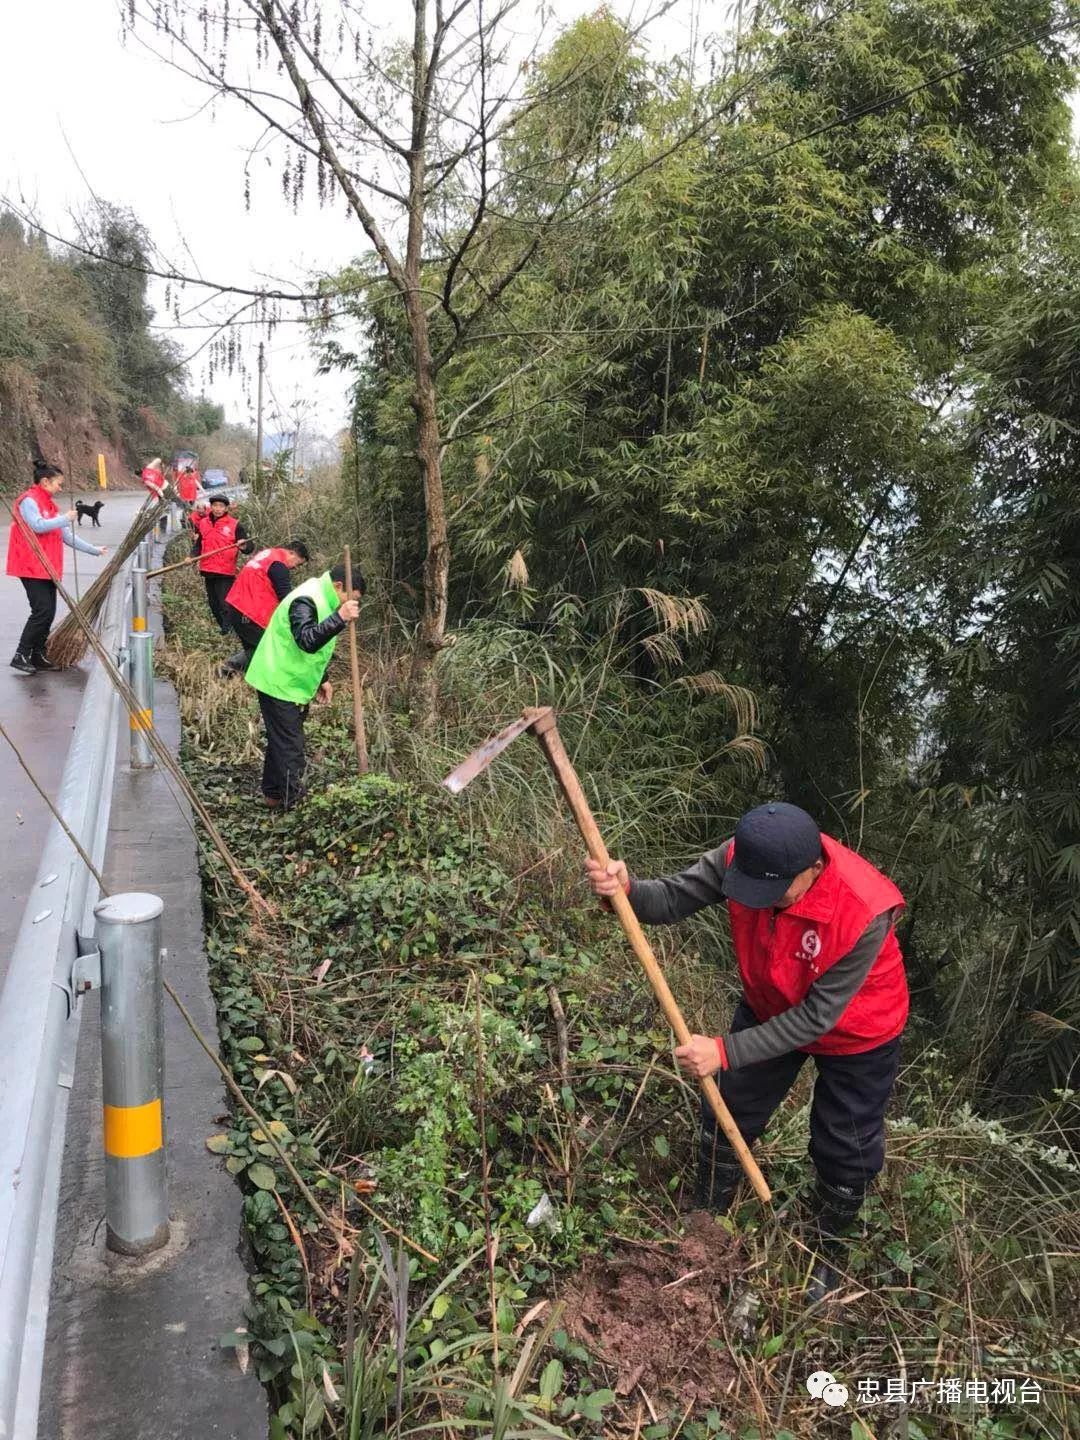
(544, 1214)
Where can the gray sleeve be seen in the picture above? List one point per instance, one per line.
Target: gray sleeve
(37, 522)
(77, 543)
(674, 897)
(819, 1010)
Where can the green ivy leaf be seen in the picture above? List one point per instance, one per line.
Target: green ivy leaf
(262, 1176)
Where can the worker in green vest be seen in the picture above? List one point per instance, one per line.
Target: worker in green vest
(288, 671)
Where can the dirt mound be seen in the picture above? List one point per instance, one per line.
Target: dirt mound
(653, 1313)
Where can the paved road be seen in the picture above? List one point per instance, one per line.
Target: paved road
(39, 713)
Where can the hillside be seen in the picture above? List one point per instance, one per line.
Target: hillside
(82, 371)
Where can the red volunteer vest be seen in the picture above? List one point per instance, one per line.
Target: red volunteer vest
(188, 486)
(154, 480)
(216, 537)
(253, 594)
(782, 952)
(22, 558)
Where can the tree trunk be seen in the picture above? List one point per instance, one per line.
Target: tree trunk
(431, 637)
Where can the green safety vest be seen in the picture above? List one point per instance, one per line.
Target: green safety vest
(279, 667)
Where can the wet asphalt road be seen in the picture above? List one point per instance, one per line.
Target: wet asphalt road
(39, 713)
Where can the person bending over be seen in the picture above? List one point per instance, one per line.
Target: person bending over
(262, 583)
(822, 976)
(288, 671)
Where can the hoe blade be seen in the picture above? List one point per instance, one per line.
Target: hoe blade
(480, 759)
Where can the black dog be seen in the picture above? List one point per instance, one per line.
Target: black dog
(82, 509)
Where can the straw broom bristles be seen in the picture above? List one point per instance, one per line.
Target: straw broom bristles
(68, 643)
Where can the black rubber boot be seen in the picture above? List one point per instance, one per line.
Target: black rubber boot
(236, 664)
(718, 1175)
(23, 664)
(836, 1208)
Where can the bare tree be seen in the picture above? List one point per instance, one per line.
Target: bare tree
(417, 134)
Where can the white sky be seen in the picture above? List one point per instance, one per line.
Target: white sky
(73, 97)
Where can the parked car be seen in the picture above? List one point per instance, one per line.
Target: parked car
(215, 479)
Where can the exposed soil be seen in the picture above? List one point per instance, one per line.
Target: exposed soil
(653, 1313)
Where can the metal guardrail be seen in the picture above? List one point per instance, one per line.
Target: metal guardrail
(39, 1025)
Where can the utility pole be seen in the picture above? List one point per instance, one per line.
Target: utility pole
(258, 424)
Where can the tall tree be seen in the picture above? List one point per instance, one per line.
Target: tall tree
(415, 137)
(741, 381)
(150, 373)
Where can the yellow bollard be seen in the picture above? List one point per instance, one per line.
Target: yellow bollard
(102, 479)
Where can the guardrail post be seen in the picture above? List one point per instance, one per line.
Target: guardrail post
(133, 1072)
(141, 680)
(139, 610)
(141, 674)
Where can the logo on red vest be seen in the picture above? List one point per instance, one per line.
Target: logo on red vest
(809, 947)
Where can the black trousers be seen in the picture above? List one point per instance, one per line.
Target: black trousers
(847, 1114)
(285, 761)
(42, 597)
(249, 635)
(217, 587)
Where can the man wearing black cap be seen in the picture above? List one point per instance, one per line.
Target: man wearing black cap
(219, 535)
(822, 974)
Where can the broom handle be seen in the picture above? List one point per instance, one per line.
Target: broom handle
(191, 560)
(548, 735)
(357, 691)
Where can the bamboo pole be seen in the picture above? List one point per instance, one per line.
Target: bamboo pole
(190, 560)
(357, 688)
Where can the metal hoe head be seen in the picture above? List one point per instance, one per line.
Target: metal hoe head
(480, 759)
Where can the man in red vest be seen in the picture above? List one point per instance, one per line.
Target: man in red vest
(262, 583)
(39, 530)
(822, 975)
(219, 536)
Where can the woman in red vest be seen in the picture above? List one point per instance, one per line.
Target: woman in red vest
(262, 583)
(153, 477)
(219, 537)
(35, 547)
(187, 485)
(822, 975)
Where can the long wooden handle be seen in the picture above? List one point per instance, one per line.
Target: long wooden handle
(191, 560)
(357, 692)
(547, 733)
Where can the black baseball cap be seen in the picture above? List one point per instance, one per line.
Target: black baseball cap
(773, 843)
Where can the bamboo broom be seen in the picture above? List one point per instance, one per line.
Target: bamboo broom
(68, 643)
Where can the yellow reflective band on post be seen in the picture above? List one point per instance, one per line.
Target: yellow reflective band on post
(141, 719)
(132, 1130)
(138, 622)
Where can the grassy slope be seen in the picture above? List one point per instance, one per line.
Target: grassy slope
(441, 931)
